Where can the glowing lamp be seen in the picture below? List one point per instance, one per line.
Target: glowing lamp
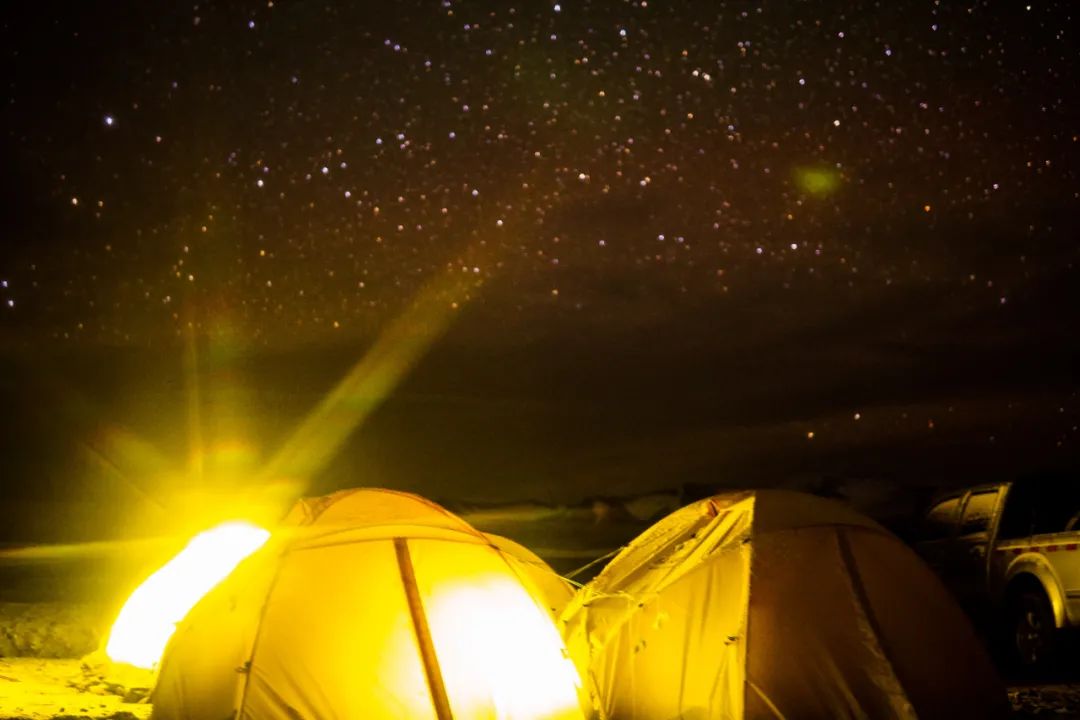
(149, 617)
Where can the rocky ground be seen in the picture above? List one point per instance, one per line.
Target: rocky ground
(41, 673)
(63, 689)
(1046, 701)
(48, 629)
(51, 684)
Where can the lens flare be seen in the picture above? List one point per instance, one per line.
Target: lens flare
(150, 616)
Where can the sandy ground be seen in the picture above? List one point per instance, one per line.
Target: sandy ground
(55, 689)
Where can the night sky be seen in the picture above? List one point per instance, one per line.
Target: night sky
(651, 243)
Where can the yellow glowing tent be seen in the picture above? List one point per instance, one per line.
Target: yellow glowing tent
(374, 604)
(775, 604)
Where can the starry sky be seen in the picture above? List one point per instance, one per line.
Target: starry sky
(660, 242)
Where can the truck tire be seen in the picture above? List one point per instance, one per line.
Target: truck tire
(1034, 635)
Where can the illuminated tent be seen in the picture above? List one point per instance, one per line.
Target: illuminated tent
(775, 604)
(374, 604)
(551, 589)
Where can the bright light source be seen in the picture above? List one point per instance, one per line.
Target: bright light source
(150, 616)
(497, 647)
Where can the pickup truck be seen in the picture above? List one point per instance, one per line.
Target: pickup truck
(1010, 552)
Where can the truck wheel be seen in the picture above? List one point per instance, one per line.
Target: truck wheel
(1034, 634)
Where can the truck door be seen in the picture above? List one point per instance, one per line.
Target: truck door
(1056, 536)
(970, 561)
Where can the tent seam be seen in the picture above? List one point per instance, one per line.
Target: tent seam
(863, 600)
(249, 663)
(342, 494)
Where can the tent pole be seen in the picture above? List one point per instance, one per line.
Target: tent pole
(423, 632)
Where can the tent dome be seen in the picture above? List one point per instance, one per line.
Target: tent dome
(775, 604)
(374, 604)
(551, 588)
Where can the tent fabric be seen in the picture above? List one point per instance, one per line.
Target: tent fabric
(371, 507)
(631, 624)
(775, 604)
(840, 669)
(555, 591)
(198, 677)
(374, 604)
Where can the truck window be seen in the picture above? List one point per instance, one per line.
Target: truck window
(978, 512)
(941, 520)
(1018, 517)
